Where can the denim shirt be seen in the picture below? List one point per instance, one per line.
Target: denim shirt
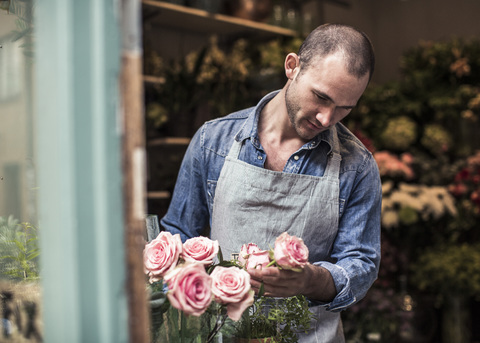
(355, 255)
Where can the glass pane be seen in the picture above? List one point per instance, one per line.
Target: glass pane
(19, 273)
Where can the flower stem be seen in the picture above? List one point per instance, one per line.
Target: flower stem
(221, 317)
(183, 327)
(271, 263)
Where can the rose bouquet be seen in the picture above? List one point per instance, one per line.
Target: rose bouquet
(186, 284)
(192, 297)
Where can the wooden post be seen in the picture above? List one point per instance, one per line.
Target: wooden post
(134, 171)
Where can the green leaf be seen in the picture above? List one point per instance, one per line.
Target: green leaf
(33, 255)
(261, 290)
(11, 257)
(19, 245)
(220, 255)
(34, 239)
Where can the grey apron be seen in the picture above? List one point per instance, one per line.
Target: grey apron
(255, 205)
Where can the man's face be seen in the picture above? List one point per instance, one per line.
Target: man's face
(322, 95)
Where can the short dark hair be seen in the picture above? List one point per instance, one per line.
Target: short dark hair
(331, 38)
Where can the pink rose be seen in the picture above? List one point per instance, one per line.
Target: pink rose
(290, 252)
(258, 259)
(189, 288)
(200, 249)
(161, 255)
(252, 257)
(245, 252)
(231, 286)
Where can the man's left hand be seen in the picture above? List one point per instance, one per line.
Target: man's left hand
(312, 281)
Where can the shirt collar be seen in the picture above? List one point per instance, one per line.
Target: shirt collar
(250, 127)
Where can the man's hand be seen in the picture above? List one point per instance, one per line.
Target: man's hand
(313, 282)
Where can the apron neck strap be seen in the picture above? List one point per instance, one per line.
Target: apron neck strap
(235, 149)
(332, 170)
(237, 144)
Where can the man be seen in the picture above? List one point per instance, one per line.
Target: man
(289, 165)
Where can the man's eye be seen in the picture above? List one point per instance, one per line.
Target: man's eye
(322, 99)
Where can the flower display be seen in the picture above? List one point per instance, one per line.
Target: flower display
(436, 139)
(466, 185)
(200, 249)
(189, 288)
(431, 205)
(231, 287)
(189, 84)
(460, 67)
(451, 270)
(400, 133)
(161, 255)
(391, 165)
(410, 203)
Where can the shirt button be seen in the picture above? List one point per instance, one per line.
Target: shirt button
(260, 157)
(296, 157)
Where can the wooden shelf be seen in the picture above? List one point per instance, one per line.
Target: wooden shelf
(158, 195)
(153, 79)
(196, 20)
(169, 141)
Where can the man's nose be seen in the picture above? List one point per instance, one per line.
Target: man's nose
(325, 116)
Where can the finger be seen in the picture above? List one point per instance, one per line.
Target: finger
(282, 276)
(270, 271)
(255, 274)
(255, 285)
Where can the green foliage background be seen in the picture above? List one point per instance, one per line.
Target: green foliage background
(19, 250)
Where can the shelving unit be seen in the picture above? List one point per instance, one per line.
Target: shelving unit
(180, 28)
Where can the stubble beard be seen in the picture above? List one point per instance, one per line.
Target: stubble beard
(292, 110)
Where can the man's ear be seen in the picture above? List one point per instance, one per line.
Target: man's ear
(292, 65)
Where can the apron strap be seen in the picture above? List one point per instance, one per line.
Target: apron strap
(236, 145)
(235, 149)
(332, 171)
